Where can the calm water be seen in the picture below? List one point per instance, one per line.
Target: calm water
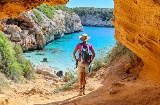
(59, 52)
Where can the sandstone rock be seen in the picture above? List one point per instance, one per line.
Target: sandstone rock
(33, 91)
(3, 99)
(138, 29)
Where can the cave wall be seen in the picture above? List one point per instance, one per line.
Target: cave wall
(137, 24)
(12, 8)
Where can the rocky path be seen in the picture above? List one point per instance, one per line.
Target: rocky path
(38, 91)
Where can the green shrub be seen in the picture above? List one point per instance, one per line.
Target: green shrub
(114, 52)
(16, 66)
(50, 10)
(104, 13)
(117, 51)
(64, 8)
(38, 16)
(47, 10)
(66, 86)
(70, 73)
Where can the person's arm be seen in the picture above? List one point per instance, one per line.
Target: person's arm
(93, 54)
(74, 53)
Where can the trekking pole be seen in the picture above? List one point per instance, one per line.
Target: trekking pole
(76, 63)
(89, 70)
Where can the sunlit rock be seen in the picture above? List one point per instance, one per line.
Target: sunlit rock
(137, 24)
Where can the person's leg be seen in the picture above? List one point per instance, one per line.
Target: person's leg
(80, 75)
(80, 79)
(84, 82)
(84, 78)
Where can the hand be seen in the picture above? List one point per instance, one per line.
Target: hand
(92, 58)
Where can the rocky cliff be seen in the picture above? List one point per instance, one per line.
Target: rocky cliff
(12, 8)
(137, 24)
(33, 29)
(95, 16)
(91, 20)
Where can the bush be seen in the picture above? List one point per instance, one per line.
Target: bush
(50, 10)
(64, 8)
(117, 51)
(114, 52)
(38, 16)
(103, 13)
(16, 66)
(47, 10)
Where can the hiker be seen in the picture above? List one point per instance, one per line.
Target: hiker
(86, 55)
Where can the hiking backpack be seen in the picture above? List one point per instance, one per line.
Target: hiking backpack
(85, 53)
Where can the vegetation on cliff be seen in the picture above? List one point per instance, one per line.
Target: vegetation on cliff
(50, 10)
(114, 53)
(15, 66)
(104, 13)
(38, 16)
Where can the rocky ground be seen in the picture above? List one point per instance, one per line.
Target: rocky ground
(115, 84)
(39, 91)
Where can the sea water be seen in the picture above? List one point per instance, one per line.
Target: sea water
(59, 52)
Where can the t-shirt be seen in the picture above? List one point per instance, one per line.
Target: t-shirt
(79, 46)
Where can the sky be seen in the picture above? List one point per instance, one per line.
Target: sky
(91, 3)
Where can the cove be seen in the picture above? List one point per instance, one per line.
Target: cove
(59, 52)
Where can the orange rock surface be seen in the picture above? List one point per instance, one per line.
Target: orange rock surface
(137, 24)
(12, 8)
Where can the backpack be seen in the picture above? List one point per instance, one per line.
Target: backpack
(85, 54)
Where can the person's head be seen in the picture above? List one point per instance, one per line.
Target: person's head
(84, 38)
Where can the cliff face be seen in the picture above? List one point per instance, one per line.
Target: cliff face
(91, 20)
(91, 16)
(137, 24)
(32, 34)
(12, 8)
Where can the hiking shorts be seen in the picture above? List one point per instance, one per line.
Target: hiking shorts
(83, 68)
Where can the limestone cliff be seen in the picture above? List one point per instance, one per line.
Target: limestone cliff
(33, 31)
(95, 16)
(137, 24)
(91, 20)
(12, 8)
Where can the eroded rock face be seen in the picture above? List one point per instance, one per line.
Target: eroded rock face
(12, 8)
(32, 34)
(90, 20)
(137, 24)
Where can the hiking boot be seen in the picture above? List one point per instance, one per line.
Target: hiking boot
(80, 92)
(84, 90)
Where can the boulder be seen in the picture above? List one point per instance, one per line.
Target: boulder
(59, 73)
(16, 37)
(45, 60)
(45, 70)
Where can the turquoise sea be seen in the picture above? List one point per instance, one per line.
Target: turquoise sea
(59, 52)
